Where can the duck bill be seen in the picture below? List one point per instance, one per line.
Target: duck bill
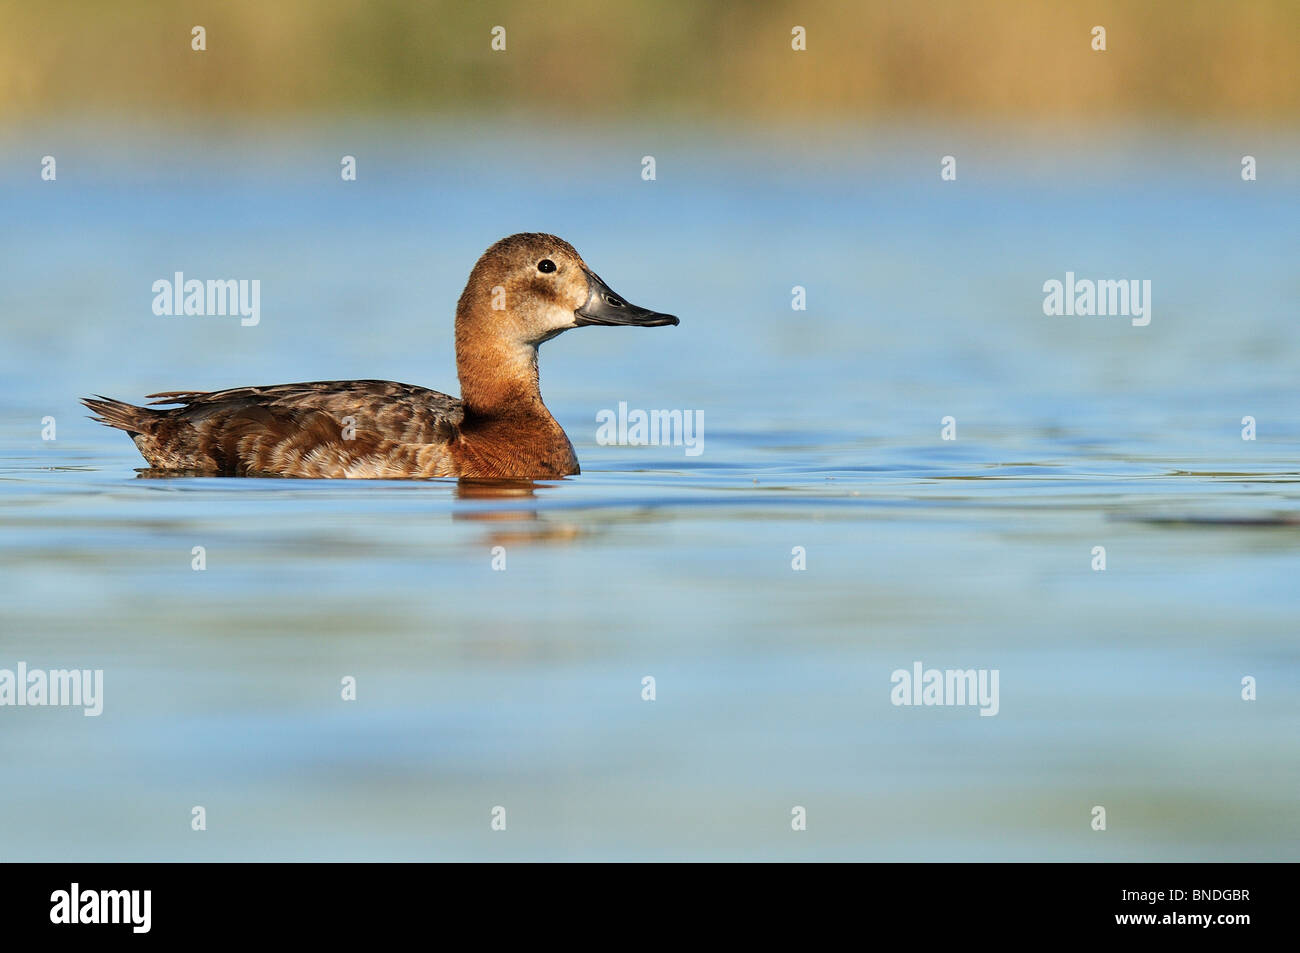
(605, 307)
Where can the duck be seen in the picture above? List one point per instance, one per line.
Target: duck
(523, 291)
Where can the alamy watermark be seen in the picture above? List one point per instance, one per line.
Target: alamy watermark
(657, 428)
(1127, 297)
(73, 688)
(76, 905)
(947, 687)
(212, 297)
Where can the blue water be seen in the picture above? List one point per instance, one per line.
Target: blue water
(522, 688)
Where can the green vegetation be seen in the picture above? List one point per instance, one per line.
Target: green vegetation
(707, 58)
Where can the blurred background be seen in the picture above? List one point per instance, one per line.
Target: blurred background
(1176, 59)
(776, 169)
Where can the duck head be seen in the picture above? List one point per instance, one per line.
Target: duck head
(530, 287)
(524, 291)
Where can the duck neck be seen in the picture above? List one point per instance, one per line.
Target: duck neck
(499, 380)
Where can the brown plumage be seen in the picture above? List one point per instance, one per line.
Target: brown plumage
(523, 291)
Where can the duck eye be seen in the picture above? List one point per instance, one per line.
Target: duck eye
(546, 266)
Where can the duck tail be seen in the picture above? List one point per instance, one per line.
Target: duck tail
(115, 413)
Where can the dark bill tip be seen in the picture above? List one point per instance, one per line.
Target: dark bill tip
(606, 308)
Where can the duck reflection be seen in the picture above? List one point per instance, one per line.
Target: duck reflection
(510, 490)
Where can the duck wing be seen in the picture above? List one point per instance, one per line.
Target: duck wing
(402, 413)
(315, 429)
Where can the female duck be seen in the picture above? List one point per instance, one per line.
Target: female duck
(525, 289)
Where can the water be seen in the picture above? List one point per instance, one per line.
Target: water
(479, 688)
